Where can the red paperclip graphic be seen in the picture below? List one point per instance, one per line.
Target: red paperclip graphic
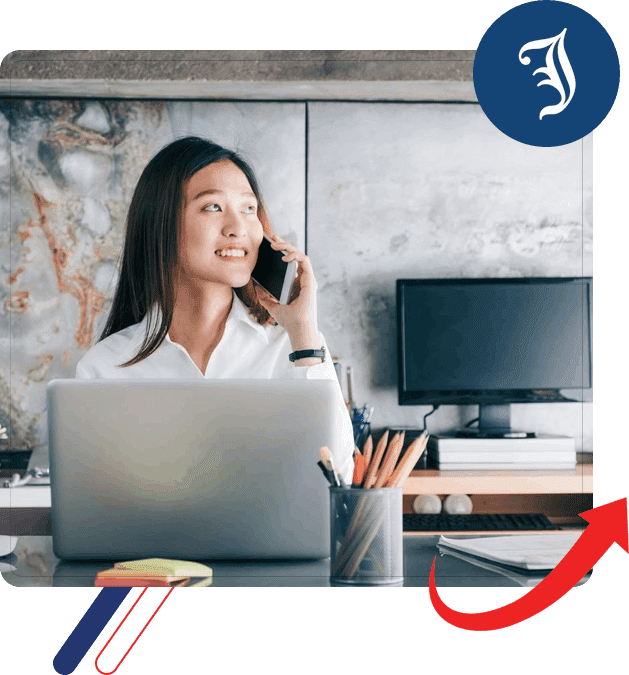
(136, 639)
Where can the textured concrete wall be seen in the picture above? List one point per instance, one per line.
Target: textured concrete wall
(67, 172)
(252, 65)
(434, 190)
(394, 190)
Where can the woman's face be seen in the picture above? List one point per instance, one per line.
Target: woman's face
(220, 231)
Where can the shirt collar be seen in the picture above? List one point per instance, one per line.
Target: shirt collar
(238, 312)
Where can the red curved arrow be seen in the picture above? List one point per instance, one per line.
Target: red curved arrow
(608, 524)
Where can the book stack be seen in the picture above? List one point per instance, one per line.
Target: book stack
(478, 454)
(154, 572)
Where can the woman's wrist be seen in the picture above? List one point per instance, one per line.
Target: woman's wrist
(306, 338)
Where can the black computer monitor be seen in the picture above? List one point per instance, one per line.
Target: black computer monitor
(493, 342)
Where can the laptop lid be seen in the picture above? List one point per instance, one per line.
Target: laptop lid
(199, 469)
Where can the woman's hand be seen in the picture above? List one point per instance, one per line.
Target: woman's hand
(299, 316)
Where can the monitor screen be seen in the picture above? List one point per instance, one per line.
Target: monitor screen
(493, 340)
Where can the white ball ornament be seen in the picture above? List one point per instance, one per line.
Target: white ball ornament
(427, 504)
(457, 505)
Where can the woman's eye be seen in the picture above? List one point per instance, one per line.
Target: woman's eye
(212, 207)
(250, 209)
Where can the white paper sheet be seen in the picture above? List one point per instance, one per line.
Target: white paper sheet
(528, 551)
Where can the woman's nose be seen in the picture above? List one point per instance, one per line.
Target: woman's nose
(234, 225)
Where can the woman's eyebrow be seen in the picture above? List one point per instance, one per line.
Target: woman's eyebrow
(220, 192)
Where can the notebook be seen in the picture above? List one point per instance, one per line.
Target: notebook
(198, 470)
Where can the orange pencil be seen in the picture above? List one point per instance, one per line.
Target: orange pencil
(388, 463)
(367, 448)
(408, 461)
(359, 470)
(375, 460)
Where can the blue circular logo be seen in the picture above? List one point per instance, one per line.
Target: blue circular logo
(546, 73)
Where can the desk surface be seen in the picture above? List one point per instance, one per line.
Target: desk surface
(37, 565)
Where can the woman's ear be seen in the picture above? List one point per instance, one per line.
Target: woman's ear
(266, 225)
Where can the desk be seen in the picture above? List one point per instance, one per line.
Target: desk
(29, 514)
(37, 565)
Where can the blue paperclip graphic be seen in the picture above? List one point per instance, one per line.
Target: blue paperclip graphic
(88, 629)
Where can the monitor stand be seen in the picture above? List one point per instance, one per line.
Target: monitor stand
(494, 421)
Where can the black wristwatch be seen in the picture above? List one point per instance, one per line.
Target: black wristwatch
(307, 354)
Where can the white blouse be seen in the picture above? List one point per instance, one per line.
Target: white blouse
(247, 350)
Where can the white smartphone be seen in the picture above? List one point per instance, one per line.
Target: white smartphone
(272, 273)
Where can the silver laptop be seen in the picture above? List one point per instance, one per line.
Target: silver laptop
(193, 469)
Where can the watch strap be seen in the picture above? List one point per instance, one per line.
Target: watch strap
(307, 354)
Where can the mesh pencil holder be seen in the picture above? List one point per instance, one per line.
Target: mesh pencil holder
(366, 537)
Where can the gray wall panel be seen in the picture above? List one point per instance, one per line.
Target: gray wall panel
(434, 190)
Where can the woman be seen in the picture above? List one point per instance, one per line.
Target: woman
(185, 305)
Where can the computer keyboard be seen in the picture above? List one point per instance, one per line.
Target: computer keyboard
(483, 522)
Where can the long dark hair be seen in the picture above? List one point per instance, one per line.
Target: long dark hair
(151, 248)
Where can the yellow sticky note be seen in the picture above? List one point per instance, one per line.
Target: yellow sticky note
(162, 566)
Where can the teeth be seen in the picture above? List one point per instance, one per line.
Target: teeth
(231, 253)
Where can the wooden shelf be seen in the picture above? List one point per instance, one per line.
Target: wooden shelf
(555, 481)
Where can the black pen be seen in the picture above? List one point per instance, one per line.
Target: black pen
(325, 472)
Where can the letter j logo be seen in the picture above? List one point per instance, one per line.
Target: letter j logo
(546, 73)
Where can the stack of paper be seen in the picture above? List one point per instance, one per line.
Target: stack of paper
(526, 552)
(526, 578)
(153, 572)
(541, 452)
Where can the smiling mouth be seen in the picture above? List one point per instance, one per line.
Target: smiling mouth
(231, 253)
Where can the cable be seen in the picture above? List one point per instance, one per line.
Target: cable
(434, 408)
(469, 424)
